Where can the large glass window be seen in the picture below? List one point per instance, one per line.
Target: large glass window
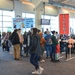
(0, 30)
(53, 23)
(0, 12)
(45, 16)
(8, 13)
(23, 15)
(7, 18)
(28, 15)
(0, 18)
(72, 25)
(0, 24)
(7, 24)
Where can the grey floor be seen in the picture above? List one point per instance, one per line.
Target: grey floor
(8, 66)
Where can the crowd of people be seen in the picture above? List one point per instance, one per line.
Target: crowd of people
(34, 43)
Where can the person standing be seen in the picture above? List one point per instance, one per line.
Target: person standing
(21, 41)
(16, 45)
(54, 43)
(48, 45)
(35, 51)
(42, 43)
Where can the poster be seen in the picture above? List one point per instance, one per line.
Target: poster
(29, 22)
(64, 23)
(23, 23)
(18, 22)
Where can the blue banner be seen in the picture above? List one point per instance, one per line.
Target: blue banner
(23, 23)
(29, 22)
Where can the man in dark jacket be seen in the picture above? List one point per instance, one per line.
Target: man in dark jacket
(16, 45)
(54, 43)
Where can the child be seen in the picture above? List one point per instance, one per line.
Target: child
(57, 54)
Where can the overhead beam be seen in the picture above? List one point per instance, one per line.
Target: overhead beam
(58, 4)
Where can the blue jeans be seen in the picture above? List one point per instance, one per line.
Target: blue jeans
(34, 60)
(53, 52)
(48, 50)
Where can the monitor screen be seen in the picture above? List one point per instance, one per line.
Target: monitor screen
(45, 21)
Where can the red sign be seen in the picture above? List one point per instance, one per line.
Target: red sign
(64, 23)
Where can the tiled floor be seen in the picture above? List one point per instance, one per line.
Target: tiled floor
(8, 66)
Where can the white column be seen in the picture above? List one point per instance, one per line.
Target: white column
(18, 9)
(38, 19)
(59, 12)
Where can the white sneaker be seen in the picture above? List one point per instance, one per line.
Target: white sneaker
(35, 72)
(40, 70)
(42, 60)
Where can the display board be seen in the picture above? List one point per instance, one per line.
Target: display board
(23, 23)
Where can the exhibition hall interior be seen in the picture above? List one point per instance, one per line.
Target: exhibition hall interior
(37, 37)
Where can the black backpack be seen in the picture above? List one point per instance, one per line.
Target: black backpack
(12, 38)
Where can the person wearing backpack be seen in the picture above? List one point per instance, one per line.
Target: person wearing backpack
(48, 44)
(28, 37)
(35, 51)
(54, 44)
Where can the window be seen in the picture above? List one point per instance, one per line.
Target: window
(0, 30)
(72, 25)
(7, 24)
(28, 15)
(53, 23)
(45, 17)
(23, 15)
(0, 24)
(0, 12)
(9, 13)
(0, 18)
(6, 18)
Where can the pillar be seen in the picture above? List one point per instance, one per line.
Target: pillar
(18, 9)
(38, 19)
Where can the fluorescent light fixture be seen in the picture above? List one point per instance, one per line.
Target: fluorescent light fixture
(28, 3)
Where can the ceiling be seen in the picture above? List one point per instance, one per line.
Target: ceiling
(65, 2)
(69, 2)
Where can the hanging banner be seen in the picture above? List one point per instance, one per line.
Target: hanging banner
(23, 23)
(29, 22)
(64, 23)
(18, 22)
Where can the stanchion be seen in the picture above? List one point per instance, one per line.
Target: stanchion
(70, 56)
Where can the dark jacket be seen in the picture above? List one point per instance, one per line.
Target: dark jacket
(15, 39)
(54, 40)
(35, 45)
(25, 38)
